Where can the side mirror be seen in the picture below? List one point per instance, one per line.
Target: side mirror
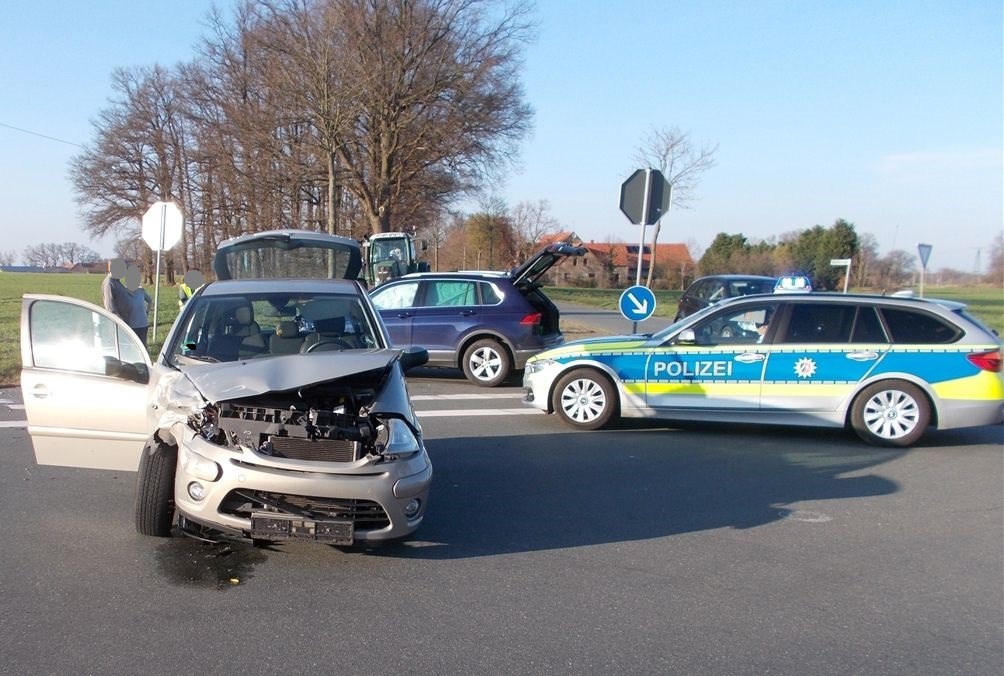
(137, 373)
(686, 337)
(413, 356)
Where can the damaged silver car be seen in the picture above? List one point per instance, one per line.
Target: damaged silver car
(276, 410)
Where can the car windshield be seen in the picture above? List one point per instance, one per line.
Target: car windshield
(232, 327)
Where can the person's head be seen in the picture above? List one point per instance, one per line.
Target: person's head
(117, 268)
(132, 278)
(194, 279)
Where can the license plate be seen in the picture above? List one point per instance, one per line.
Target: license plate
(274, 527)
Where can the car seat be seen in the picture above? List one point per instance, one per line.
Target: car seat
(286, 340)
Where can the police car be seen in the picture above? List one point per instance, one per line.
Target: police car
(888, 368)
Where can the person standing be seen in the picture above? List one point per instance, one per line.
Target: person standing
(139, 304)
(193, 281)
(113, 293)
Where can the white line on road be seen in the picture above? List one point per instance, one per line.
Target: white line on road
(478, 412)
(467, 397)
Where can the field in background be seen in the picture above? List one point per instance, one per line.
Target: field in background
(83, 286)
(986, 303)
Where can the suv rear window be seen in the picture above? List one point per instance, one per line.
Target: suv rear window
(913, 328)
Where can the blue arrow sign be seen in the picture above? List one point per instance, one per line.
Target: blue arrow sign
(637, 303)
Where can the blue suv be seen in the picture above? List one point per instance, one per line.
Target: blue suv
(486, 323)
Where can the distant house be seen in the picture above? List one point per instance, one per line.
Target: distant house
(92, 267)
(615, 264)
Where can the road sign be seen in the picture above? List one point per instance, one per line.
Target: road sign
(162, 224)
(645, 196)
(925, 252)
(637, 303)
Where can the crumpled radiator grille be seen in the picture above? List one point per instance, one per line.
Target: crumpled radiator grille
(319, 450)
(365, 514)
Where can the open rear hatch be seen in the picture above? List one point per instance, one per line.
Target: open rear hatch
(288, 254)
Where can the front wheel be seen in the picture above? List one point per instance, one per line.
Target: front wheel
(155, 488)
(486, 363)
(891, 413)
(585, 399)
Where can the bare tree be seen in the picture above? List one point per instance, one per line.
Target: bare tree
(531, 222)
(8, 257)
(437, 101)
(681, 163)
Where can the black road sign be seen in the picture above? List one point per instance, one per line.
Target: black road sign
(634, 200)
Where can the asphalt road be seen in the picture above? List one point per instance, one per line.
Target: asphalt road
(643, 549)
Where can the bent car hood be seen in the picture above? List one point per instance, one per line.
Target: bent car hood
(253, 377)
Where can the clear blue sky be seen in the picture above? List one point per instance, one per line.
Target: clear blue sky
(886, 113)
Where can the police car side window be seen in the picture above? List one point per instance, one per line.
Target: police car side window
(868, 327)
(912, 328)
(823, 323)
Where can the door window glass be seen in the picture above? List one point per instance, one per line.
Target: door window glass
(820, 323)
(450, 293)
(396, 296)
(73, 338)
(868, 327)
(736, 327)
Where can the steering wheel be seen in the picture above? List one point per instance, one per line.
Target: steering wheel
(332, 343)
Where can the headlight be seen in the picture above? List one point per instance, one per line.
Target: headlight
(538, 365)
(395, 440)
(197, 465)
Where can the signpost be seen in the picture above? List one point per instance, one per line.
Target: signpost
(645, 198)
(924, 250)
(843, 262)
(162, 225)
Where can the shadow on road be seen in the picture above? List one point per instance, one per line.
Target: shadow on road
(522, 493)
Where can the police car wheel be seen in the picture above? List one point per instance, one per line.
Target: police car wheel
(155, 488)
(891, 413)
(585, 399)
(486, 363)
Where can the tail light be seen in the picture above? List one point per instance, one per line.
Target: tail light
(987, 361)
(533, 319)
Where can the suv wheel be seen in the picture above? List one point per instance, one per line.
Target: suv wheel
(155, 488)
(486, 363)
(891, 413)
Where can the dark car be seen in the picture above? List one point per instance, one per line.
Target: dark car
(706, 291)
(486, 323)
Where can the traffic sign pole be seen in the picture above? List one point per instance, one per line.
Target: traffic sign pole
(162, 227)
(644, 220)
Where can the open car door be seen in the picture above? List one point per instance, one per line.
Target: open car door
(84, 379)
(288, 254)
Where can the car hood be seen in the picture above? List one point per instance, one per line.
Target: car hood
(589, 345)
(239, 379)
(541, 262)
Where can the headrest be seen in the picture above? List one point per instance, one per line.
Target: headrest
(287, 330)
(243, 315)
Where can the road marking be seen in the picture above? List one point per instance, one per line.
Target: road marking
(13, 423)
(465, 397)
(478, 412)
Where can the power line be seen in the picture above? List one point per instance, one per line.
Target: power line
(35, 133)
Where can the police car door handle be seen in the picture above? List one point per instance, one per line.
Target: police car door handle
(749, 357)
(862, 356)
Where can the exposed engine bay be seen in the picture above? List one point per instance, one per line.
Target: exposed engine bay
(331, 422)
